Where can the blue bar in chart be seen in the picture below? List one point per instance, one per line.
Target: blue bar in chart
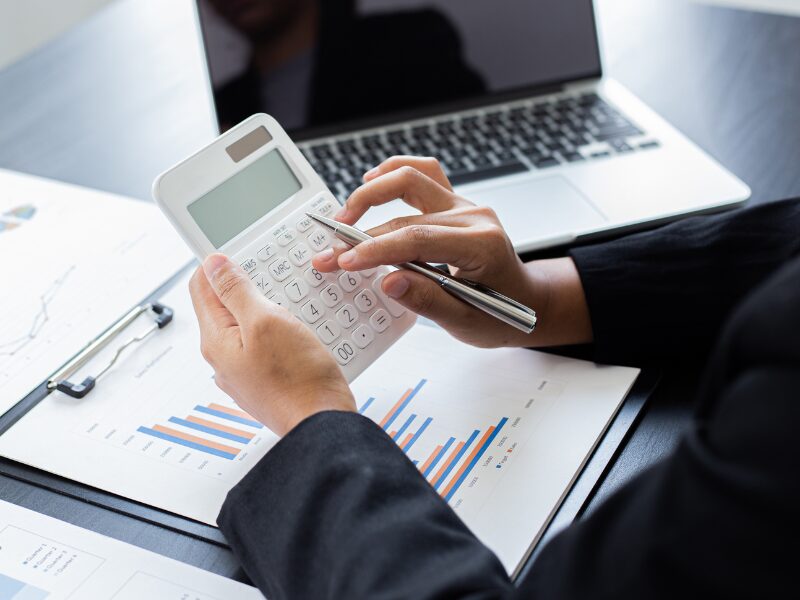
(475, 459)
(366, 405)
(402, 430)
(439, 456)
(410, 442)
(457, 458)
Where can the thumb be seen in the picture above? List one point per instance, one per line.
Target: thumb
(426, 298)
(232, 287)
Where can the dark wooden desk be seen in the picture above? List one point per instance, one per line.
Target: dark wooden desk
(122, 96)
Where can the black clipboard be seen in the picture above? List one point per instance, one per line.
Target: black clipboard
(161, 318)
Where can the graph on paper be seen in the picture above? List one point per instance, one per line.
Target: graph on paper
(203, 439)
(74, 261)
(455, 453)
(39, 319)
(16, 217)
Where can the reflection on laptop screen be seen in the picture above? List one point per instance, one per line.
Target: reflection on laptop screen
(314, 63)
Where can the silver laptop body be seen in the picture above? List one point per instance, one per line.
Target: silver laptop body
(566, 157)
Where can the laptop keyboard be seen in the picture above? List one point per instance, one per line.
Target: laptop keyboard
(490, 143)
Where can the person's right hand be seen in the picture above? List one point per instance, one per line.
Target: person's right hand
(468, 238)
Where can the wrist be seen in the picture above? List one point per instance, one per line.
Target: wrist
(554, 290)
(315, 402)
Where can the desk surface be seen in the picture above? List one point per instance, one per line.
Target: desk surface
(724, 77)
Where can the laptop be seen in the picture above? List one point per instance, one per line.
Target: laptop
(510, 96)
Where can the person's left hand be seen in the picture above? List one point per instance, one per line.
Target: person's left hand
(264, 358)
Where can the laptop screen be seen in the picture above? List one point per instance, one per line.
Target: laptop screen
(329, 63)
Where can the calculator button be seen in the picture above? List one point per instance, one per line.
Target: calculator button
(319, 239)
(296, 290)
(347, 316)
(266, 252)
(365, 300)
(368, 272)
(380, 320)
(285, 235)
(363, 336)
(300, 254)
(280, 269)
(321, 205)
(331, 295)
(326, 208)
(312, 311)
(249, 265)
(304, 224)
(278, 299)
(314, 277)
(349, 281)
(343, 352)
(262, 282)
(394, 308)
(328, 332)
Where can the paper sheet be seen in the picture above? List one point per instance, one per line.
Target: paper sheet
(499, 433)
(74, 260)
(42, 558)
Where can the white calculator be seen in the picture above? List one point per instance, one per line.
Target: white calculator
(246, 195)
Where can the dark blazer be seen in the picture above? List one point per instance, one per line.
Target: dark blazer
(718, 518)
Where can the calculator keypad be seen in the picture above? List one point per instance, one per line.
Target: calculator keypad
(348, 311)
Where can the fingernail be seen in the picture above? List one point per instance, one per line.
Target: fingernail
(347, 258)
(371, 173)
(342, 212)
(325, 255)
(396, 287)
(214, 263)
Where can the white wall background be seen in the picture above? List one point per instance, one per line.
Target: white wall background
(27, 24)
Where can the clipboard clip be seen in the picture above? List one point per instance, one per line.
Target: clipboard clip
(162, 316)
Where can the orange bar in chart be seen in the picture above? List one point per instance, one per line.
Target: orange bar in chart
(392, 412)
(446, 465)
(466, 463)
(428, 462)
(225, 428)
(196, 439)
(405, 441)
(230, 411)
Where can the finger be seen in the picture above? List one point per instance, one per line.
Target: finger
(427, 298)
(410, 185)
(457, 217)
(325, 261)
(211, 313)
(429, 243)
(233, 289)
(424, 164)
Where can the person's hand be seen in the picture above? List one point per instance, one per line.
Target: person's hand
(263, 357)
(472, 242)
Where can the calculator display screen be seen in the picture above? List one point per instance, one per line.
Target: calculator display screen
(233, 206)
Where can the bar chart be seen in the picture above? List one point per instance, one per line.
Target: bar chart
(211, 428)
(207, 439)
(446, 458)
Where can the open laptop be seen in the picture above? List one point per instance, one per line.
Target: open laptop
(508, 95)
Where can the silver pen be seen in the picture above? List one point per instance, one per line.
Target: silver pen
(480, 296)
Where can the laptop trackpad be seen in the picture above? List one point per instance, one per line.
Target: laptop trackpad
(537, 209)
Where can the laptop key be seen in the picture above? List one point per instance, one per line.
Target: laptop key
(546, 162)
(462, 177)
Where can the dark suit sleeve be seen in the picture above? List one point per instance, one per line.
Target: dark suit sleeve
(336, 510)
(663, 295)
